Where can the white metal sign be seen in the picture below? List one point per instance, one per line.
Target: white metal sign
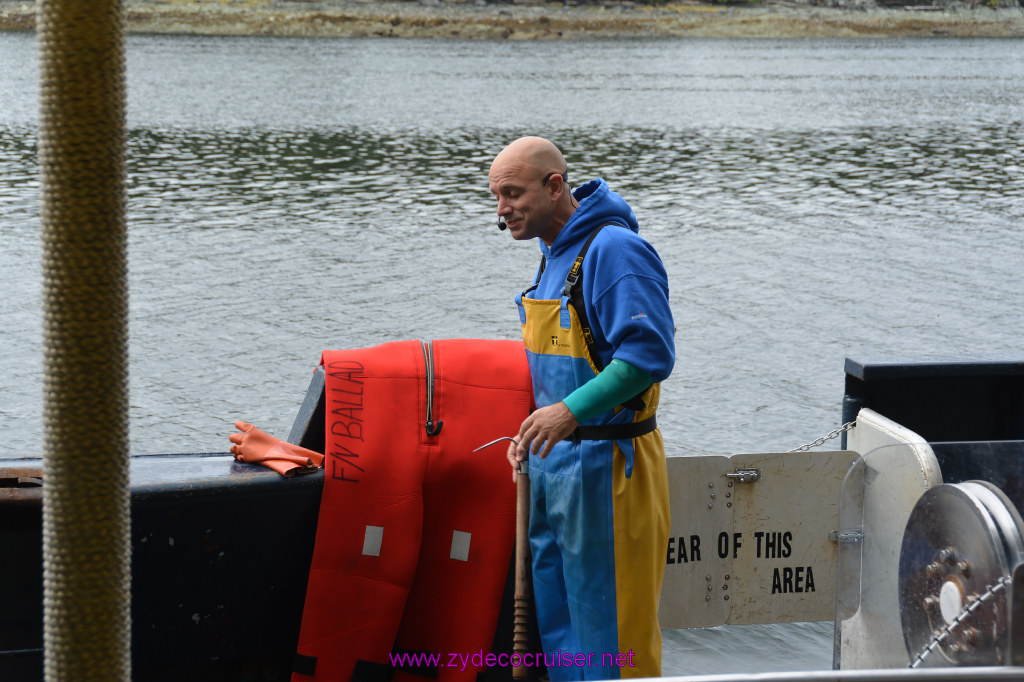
(750, 538)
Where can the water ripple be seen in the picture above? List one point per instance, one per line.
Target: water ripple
(253, 249)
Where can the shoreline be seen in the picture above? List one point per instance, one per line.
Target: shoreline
(545, 21)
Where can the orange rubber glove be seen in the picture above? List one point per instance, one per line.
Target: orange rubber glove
(255, 446)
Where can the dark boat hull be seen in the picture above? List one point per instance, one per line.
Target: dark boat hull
(221, 550)
(220, 558)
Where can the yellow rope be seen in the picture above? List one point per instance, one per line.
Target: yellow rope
(86, 541)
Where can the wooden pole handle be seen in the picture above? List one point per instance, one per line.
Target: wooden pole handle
(521, 596)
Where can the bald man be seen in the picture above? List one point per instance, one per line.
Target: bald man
(599, 339)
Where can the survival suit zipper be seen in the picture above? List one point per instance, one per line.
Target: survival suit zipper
(433, 426)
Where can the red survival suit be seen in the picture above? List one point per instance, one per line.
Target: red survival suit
(416, 530)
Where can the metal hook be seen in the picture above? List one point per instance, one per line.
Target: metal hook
(496, 441)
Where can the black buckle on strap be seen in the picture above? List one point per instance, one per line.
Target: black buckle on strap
(574, 275)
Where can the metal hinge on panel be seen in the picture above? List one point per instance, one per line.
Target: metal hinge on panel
(741, 475)
(851, 536)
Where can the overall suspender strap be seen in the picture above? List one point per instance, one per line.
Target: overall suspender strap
(574, 292)
(536, 281)
(615, 431)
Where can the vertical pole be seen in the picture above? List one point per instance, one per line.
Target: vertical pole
(521, 595)
(86, 541)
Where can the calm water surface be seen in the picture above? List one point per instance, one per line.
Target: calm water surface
(811, 200)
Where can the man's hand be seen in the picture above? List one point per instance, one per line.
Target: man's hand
(542, 429)
(514, 459)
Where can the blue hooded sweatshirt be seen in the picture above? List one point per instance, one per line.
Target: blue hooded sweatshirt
(625, 287)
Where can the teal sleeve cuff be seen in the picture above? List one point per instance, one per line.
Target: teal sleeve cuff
(617, 383)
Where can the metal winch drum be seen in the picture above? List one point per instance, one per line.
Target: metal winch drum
(960, 548)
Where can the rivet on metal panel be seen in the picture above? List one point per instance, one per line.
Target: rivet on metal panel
(710, 506)
(707, 597)
(711, 484)
(726, 597)
(712, 496)
(725, 587)
(728, 504)
(726, 577)
(708, 578)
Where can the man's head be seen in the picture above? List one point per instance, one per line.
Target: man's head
(528, 178)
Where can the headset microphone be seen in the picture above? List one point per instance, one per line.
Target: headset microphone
(502, 225)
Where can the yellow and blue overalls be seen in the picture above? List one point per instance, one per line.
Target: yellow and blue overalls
(599, 513)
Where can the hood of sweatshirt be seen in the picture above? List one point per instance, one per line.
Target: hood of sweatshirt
(597, 204)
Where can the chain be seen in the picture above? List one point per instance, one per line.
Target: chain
(960, 618)
(821, 441)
